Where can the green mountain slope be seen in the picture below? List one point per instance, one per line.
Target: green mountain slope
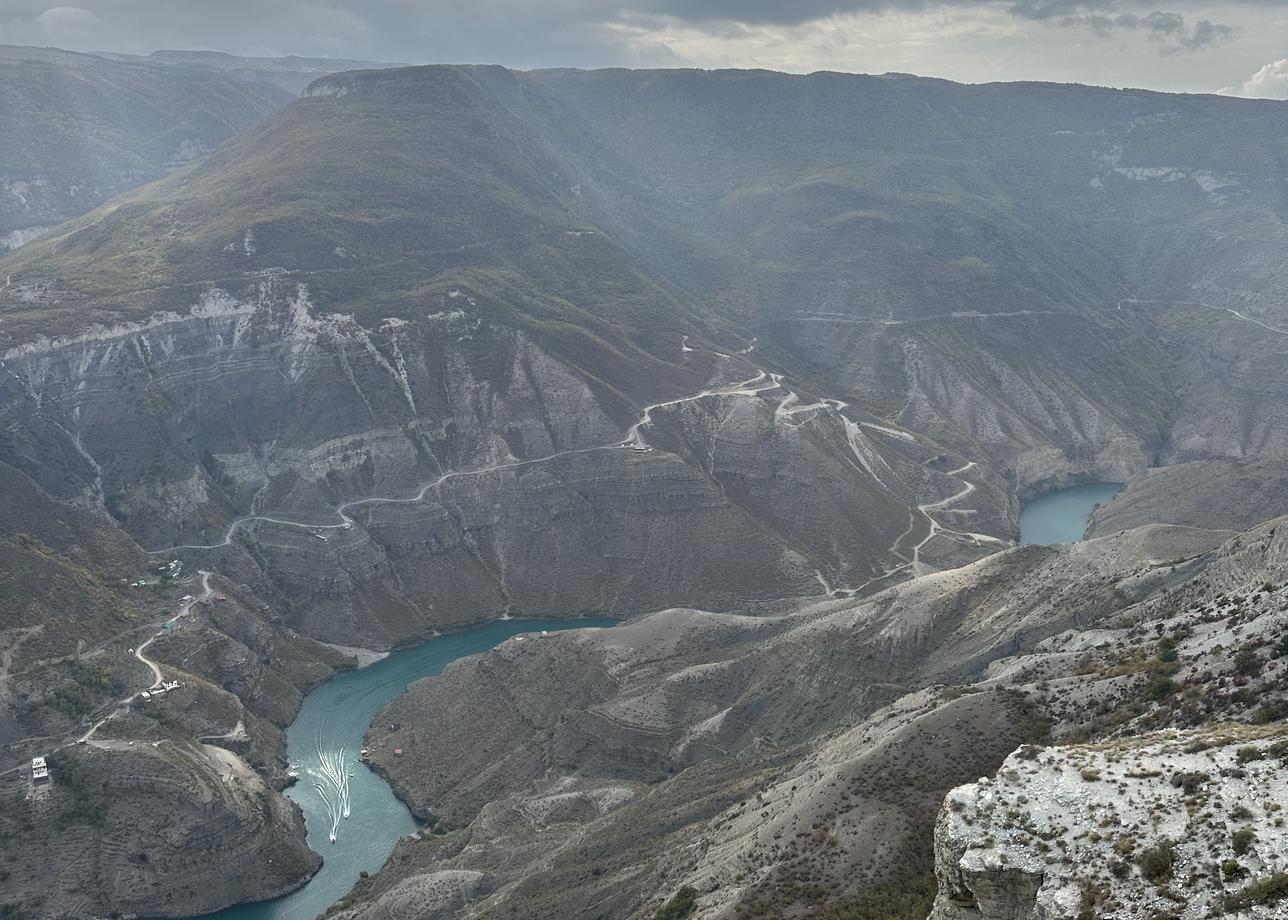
(380, 199)
(766, 198)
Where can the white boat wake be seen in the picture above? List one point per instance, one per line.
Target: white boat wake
(331, 780)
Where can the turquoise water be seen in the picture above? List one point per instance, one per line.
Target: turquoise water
(323, 744)
(1061, 517)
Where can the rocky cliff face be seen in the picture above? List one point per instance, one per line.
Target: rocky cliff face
(1183, 824)
(408, 422)
(495, 349)
(186, 829)
(387, 480)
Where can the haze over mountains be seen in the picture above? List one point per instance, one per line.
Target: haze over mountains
(1002, 276)
(81, 128)
(429, 346)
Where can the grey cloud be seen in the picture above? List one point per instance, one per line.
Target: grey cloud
(1163, 24)
(767, 11)
(1169, 29)
(1047, 10)
(1086, 12)
(1207, 33)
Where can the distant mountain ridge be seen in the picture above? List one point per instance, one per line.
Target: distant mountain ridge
(939, 290)
(81, 128)
(292, 72)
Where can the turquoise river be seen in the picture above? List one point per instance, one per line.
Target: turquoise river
(338, 794)
(1062, 516)
(341, 797)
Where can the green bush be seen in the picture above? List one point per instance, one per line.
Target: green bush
(1160, 686)
(1247, 662)
(680, 905)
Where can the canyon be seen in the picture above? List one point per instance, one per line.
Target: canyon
(431, 347)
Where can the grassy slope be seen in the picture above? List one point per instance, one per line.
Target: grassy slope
(378, 199)
(732, 199)
(872, 194)
(922, 193)
(61, 568)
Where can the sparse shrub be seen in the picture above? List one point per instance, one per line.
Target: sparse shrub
(1248, 754)
(1159, 686)
(1157, 862)
(1266, 890)
(680, 905)
(1189, 781)
(1271, 711)
(1247, 662)
(1242, 840)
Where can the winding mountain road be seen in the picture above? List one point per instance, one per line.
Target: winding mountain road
(868, 461)
(206, 591)
(760, 383)
(1207, 306)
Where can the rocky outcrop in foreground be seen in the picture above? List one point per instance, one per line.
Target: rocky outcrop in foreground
(187, 829)
(1179, 824)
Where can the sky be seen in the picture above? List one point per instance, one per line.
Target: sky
(1231, 46)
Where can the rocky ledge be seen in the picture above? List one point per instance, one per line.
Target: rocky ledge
(1177, 825)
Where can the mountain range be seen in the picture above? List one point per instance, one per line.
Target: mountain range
(764, 363)
(81, 128)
